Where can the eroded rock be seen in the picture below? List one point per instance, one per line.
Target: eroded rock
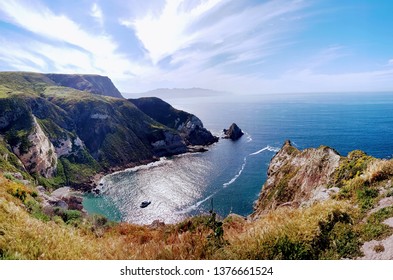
(297, 177)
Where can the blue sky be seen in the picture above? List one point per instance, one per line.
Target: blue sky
(241, 46)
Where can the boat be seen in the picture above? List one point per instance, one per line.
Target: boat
(145, 204)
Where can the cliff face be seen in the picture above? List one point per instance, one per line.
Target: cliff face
(69, 135)
(91, 83)
(188, 125)
(39, 155)
(297, 177)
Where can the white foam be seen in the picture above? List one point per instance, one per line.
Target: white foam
(249, 138)
(267, 148)
(237, 175)
(196, 205)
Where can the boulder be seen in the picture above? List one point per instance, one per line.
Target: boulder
(233, 132)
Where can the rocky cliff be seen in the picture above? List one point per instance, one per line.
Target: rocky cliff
(358, 186)
(188, 125)
(38, 155)
(92, 83)
(298, 177)
(67, 135)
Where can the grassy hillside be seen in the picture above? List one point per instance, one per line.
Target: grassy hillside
(92, 132)
(332, 229)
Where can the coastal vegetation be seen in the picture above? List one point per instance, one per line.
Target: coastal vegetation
(332, 229)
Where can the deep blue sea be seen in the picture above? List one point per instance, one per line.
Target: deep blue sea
(230, 175)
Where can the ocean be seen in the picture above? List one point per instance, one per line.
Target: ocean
(229, 177)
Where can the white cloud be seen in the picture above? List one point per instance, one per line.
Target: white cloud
(206, 38)
(63, 44)
(97, 14)
(217, 44)
(40, 20)
(165, 34)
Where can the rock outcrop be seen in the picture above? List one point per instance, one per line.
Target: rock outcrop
(233, 132)
(171, 144)
(37, 153)
(64, 198)
(297, 178)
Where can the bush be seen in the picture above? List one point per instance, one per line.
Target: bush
(374, 228)
(69, 216)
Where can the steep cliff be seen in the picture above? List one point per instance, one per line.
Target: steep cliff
(299, 181)
(38, 155)
(91, 83)
(188, 125)
(67, 135)
(297, 177)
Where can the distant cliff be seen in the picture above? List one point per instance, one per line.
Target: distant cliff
(92, 83)
(63, 136)
(188, 125)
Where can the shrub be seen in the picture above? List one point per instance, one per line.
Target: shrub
(374, 228)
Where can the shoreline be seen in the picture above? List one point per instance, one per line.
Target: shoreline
(95, 180)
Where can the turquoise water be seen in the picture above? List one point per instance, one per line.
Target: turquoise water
(232, 173)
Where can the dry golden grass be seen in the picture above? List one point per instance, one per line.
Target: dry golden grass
(284, 233)
(378, 170)
(298, 229)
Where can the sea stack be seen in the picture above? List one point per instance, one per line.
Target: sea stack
(234, 132)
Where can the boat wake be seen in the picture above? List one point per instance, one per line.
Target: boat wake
(249, 138)
(197, 204)
(267, 148)
(237, 175)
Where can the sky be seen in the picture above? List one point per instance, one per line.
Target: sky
(238, 46)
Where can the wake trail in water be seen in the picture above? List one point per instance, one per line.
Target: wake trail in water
(267, 148)
(237, 175)
(249, 138)
(196, 205)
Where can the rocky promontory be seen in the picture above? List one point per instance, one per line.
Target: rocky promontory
(189, 126)
(297, 177)
(354, 191)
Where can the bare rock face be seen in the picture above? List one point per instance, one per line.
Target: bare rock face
(171, 144)
(67, 146)
(41, 155)
(297, 177)
(233, 132)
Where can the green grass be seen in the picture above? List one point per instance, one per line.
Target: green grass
(374, 229)
(9, 162)
(351, 166)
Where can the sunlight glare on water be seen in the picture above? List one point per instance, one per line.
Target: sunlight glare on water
(171, 185)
